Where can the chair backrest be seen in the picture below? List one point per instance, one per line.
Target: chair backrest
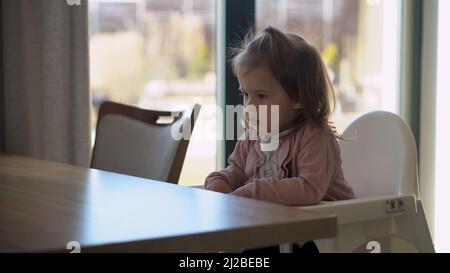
(139, 142)
(379, 155)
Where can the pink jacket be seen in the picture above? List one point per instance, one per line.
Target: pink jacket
(309, 170)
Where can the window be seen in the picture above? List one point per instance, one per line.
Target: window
(359, 42)
(442, 148)
(158, 54)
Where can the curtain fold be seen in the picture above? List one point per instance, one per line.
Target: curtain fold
(46, 99)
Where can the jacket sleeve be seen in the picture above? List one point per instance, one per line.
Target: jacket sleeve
(234, 174)
(317, 162)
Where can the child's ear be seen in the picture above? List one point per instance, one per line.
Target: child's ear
(297, 106)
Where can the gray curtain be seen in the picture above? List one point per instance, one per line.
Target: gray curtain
(45, 74)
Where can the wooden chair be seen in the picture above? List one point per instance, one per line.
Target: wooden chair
(144, 143)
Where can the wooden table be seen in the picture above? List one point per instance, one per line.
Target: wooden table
(45, 205)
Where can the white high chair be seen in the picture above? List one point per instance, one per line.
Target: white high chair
(379, 160)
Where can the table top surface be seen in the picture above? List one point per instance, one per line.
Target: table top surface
(45, 205)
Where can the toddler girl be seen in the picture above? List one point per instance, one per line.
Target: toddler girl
(278, 69)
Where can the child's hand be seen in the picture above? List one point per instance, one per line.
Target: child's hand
(219, 185)
(242, 192)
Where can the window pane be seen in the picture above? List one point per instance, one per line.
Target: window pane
(158, 54)
(442, 148)
(359, 43)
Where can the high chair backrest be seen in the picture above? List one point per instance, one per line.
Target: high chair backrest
(379, 155)
(139, 142)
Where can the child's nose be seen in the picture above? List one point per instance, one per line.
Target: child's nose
(250, 101)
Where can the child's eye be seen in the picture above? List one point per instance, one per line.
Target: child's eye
(243, 94)
(261, 96)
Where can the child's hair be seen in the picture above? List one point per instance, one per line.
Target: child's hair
(296, 64)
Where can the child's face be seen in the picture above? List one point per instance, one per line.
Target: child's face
(259, 87)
